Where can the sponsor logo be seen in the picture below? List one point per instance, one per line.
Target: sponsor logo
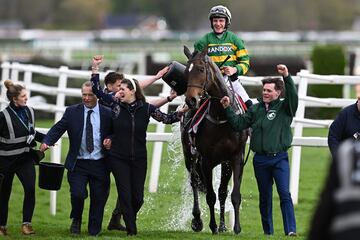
(219, 49)
(271, 115)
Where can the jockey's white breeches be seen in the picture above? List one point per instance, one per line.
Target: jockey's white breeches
(238, 88)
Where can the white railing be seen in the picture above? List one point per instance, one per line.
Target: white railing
(303, 79)
(13, 71)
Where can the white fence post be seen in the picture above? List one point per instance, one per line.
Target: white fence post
(15, 72)
(56, 151)
(296, 151)
(158, 146)
(28, 81)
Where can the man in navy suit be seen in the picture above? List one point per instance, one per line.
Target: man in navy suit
(88, 125)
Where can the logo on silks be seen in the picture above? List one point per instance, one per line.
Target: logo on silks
(271, 114)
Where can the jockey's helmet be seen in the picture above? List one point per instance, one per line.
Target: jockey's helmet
(220, 11)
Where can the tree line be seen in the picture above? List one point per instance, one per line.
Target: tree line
(186, 15)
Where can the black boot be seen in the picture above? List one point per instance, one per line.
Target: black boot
(115, 224)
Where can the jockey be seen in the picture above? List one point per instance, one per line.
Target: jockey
(222, 43)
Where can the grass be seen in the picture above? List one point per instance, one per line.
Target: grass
(166, 214)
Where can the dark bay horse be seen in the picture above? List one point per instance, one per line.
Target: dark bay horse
(214, 142)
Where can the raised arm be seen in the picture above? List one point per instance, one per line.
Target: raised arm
(147, 82)
(291, 100)
(95, 80)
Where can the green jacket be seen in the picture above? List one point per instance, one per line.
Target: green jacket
(271, 132)
(220, 48)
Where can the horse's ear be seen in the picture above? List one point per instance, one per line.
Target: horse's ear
(187, 52)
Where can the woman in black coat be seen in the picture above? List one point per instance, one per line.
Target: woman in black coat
(128, 154)
(17, 142)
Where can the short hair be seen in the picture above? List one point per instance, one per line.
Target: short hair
(112, 77)
(86, 84)
(13, 90)
(279, 83)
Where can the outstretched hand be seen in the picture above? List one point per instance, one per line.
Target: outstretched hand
(283, 70)
(162, 72)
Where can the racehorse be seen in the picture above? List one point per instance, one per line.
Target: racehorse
(214, 142)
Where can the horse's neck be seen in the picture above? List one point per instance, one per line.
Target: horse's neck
(216, 110)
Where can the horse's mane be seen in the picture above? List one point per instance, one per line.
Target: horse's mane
(221, 82)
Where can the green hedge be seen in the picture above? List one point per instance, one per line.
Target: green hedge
(326, 60)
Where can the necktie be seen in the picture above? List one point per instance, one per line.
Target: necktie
(89, 133)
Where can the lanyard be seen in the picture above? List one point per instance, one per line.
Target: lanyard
(29, 126)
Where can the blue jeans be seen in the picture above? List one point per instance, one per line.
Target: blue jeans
(267, 169)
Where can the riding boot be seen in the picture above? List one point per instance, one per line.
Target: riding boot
(115, 224)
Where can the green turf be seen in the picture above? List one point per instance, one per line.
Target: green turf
(165, 214)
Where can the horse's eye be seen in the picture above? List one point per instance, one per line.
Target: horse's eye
(201, 69)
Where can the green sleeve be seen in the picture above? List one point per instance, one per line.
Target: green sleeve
(242, 56)
(200, 44)
(238, 122)
(291, 100)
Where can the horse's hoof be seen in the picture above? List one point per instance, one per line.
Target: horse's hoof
(237, 230)
(214, 231)
(222, 228)
(196, 225)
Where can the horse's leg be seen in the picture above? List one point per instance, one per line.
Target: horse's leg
(238, 168)
(196, 222)
(210, 197)
(223, 192)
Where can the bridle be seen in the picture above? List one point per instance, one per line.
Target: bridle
(203, 87)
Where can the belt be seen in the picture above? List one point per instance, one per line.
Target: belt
(270, 154)
(87, 159)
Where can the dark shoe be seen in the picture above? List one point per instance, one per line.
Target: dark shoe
(3, 231)
(115, 224)
(131, 233)
(27, 229)
(75, 227)
(292, 234)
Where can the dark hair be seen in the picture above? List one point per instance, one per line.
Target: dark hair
(279, 83)
(13, 90)
(139, 95)
(112, 77)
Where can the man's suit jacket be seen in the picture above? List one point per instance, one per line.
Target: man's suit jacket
(73, 122)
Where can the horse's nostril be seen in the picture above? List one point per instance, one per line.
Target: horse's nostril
(192, 102)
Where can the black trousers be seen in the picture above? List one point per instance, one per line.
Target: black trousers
(23, 167)
(94, 173)
(130, 180)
